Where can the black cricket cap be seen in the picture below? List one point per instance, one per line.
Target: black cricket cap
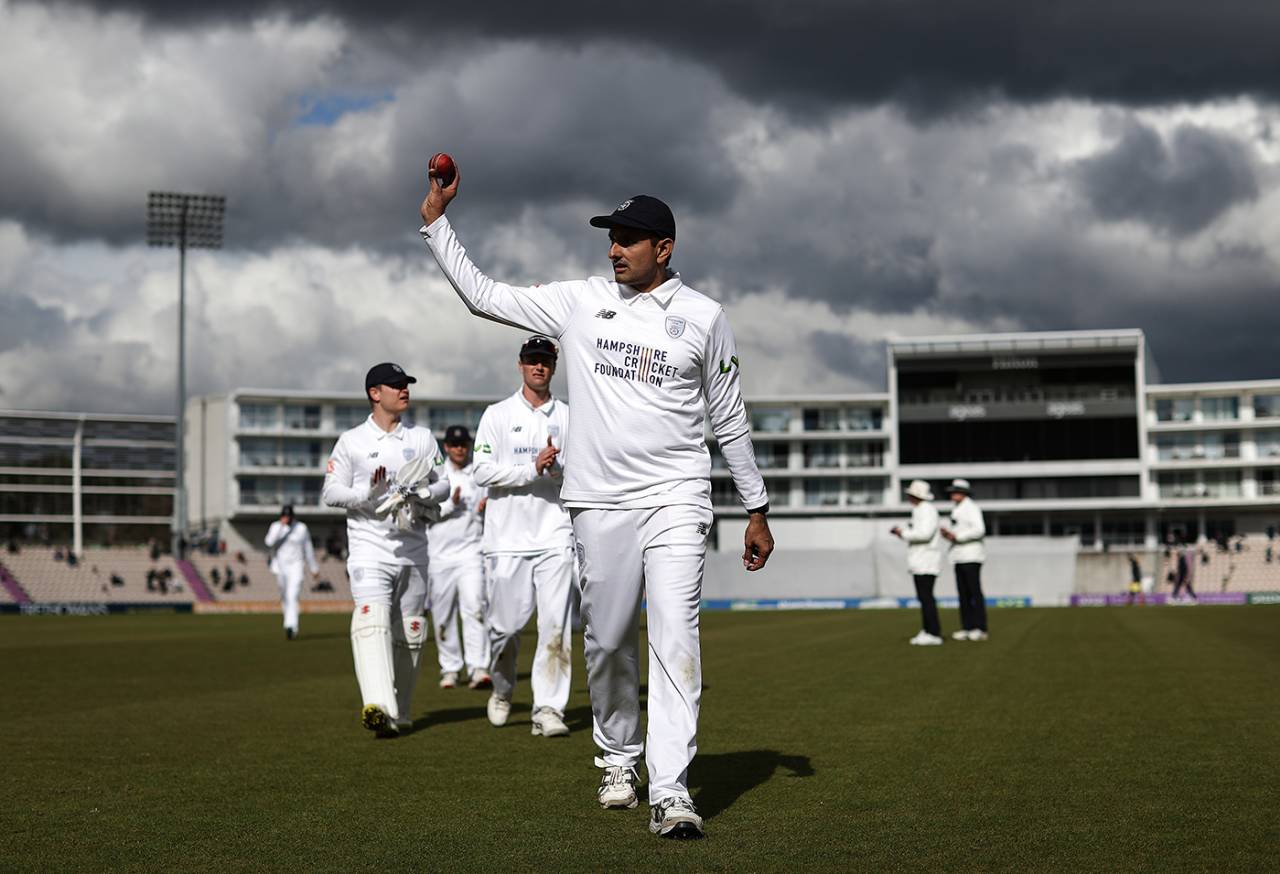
(386, 373)
(457, 435)
(286, 510)
(539, 345)
(641, 212)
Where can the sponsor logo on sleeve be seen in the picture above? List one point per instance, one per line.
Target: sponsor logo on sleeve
(733, 362)
(482, 448)
(329, 468)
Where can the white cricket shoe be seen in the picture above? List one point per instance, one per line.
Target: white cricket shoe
(924, 638)
(498, 709)
(548, 723)
(977, 634)
(617, 787)
(480, 680)
(449, 680)
(675, 818)
(962, 634)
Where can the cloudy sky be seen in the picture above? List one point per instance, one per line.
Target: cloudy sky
(840, 170)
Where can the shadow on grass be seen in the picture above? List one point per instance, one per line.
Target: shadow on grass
(463, 714)
(718, 780)
(333, 635)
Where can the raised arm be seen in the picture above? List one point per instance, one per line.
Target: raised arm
(545, 309)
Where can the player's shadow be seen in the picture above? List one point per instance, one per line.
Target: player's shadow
(335, 635)
(720, 779)
(461, 714)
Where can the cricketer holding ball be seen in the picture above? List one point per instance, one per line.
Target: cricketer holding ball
(386, 560)
(648, 361)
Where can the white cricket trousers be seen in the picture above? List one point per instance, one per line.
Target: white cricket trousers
(516, 584)
(459, 588)
(658, 554)
(289, 581)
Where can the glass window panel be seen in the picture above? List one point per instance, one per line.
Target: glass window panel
(865, 418)
(865, 454)
(1266, 406)
(1268, 443)
(770, 419)
(347, 417)
(259, 452)
(259, 416)
(301, 417)
(824, 455)
(822, 419)
(1220, 409)
(822, 492)
(302, 453)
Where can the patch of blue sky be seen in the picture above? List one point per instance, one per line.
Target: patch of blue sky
(325, 109)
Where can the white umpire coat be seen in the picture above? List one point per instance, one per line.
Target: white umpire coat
(923, 535)
(970, 531)
(525, 514)
(291, 549)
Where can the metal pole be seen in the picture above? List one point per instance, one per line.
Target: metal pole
(179, 491)
(77, 490)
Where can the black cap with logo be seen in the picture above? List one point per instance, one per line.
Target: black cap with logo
(386, 373)
(539, 345)
(287, 510)
(643, 213)
(457, 435)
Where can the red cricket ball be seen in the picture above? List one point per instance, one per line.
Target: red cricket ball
(444, 167)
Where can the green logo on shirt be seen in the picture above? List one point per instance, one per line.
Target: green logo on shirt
(733, 362)
(484, 448)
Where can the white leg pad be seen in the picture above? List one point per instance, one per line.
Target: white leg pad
(372, 651)
(409, 634)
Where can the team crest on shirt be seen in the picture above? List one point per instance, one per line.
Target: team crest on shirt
(675, 326)
(553, 430)
(408, 454)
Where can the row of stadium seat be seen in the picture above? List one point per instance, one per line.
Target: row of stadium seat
(254, 580)
(1243, 570)
(49, 579)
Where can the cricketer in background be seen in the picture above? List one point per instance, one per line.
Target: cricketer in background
(387, 555)
(650, 362)
(528, 539)
(456, 573)
(924, 558)
(968, 552)
(289, 544)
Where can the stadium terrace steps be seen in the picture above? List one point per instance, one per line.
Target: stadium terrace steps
(261, 585)
(50, 580)
(1230, 571)
(11, 591)
(188, 571)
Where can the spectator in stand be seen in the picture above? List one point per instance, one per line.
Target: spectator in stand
(1135, 578)
(117, 580)
(58, 554)
(13, 547)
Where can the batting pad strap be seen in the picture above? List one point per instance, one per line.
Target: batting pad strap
(411, 631)
(370, 619)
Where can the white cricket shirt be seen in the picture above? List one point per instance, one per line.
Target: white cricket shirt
(291, 548)
(525, 513)
(357, 454)
(970, 530)
(645, 371)
(456, 537)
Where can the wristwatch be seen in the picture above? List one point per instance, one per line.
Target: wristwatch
(763, 509)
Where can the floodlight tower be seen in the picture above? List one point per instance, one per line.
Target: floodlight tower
(188, 221)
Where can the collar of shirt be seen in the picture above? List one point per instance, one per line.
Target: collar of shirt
(661, 295)
(545, 409)
(378, 434)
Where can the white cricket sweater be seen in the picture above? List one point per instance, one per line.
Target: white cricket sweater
(456, 537)
(357, 454)
(291, 548)
(645, 371)
(524, 514)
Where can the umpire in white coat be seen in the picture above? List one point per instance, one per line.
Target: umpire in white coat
(967, 533)
(289, 543)
(924, 559)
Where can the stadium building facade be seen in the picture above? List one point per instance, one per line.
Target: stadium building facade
(1066, 434)
(85, 479)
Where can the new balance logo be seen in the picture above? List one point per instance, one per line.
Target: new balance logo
(605, 314)
(703, 528)
(517, 429)
(373, 455)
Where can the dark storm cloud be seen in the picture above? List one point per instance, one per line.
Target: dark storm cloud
(850, 356)
(928, 54)
(1180, 187)
(22, 320)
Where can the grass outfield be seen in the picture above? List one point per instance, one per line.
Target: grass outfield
(1138, 739)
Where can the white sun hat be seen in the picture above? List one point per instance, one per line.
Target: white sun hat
(920, 489)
